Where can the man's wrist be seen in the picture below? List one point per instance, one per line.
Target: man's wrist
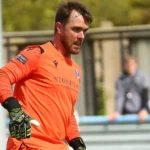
(11, 103)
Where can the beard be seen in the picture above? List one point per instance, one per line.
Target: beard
(69, 46)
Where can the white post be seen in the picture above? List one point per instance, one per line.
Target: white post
(2, 118)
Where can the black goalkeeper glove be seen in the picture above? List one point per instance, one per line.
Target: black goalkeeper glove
(19, 126)
(77, 144)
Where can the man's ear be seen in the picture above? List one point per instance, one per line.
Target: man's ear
(58, 27)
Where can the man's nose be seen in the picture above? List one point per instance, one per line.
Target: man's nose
(81, 35)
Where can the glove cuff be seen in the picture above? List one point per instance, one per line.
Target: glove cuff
(76, 143)
(11, 103)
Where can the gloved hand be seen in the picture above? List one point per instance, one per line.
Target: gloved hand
(20, 123)
(77, 144)
(19, 126)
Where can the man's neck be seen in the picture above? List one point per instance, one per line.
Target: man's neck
(58, 45)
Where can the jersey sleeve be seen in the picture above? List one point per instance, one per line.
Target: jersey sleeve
(22, 66)
(73, 130)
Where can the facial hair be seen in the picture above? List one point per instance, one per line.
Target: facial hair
(67, 45)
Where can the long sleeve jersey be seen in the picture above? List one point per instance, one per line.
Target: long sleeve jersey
(47, 86)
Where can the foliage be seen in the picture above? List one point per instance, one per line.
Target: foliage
(39, 14)
(101, 99)
(28, 15)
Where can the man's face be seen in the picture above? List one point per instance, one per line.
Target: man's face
(130, 66)
(73, 33)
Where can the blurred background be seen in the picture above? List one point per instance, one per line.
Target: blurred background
(119, 28)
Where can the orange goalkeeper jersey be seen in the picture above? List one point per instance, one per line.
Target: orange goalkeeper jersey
(47, 86)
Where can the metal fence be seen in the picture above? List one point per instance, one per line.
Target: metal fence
(126, 133)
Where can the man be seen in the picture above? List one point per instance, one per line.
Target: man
(131, 91)
(47, 86)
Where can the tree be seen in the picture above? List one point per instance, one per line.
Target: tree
(28, 15)
(39, 14)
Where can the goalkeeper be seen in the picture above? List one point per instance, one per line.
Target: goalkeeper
(47, 82)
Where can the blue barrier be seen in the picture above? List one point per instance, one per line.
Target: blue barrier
(104, 119)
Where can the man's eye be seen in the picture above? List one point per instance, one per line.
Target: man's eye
(76, 30)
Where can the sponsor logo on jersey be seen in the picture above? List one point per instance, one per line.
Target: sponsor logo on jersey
(67, 82)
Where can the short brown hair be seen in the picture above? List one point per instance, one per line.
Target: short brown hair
(130, 57)
(65, 8)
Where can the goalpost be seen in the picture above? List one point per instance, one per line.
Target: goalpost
(2, 118)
